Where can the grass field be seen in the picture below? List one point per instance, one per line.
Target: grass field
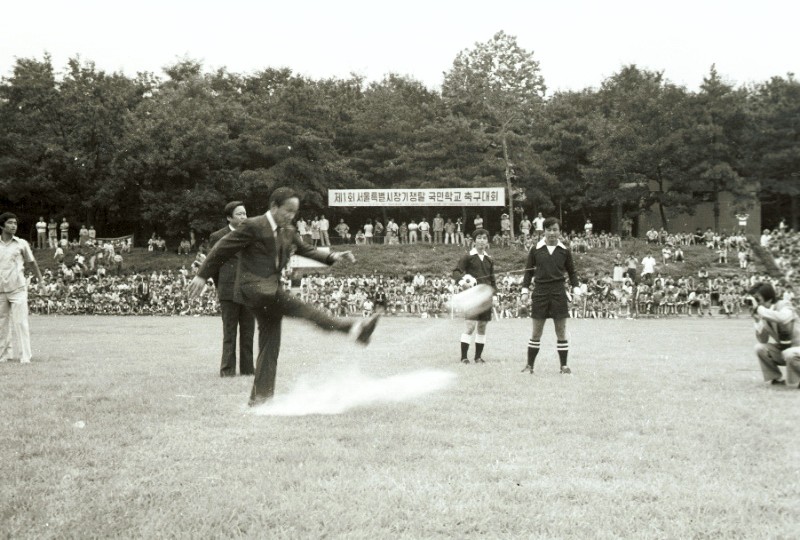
(121, 427)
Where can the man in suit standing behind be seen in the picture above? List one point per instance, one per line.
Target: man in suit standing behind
(234, 314)
(265, 243)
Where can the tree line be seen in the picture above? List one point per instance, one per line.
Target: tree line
(165, 153)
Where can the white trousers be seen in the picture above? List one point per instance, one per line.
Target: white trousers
(15, 337)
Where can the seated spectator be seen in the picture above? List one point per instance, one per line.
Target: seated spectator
(183, 247)
(666, 254)
(361, 237)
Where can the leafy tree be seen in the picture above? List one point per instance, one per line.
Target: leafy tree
(30, 110)
(499, 84)
(715, 142)
(569, 128)
(182, 152)
(775, 144)
(639, 160)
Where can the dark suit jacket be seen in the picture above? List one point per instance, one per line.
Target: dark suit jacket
(225, 279)
(258, 278)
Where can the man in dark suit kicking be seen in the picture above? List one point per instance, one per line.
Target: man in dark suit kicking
(234, 315)
(264, 243)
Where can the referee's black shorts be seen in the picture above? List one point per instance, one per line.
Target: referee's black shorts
(549, 301)
(484, 316)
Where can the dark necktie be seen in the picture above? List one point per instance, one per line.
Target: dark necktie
(278, 247)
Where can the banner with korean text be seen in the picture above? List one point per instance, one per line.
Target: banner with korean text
(487, 196)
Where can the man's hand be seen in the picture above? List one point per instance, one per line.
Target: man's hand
(196, 286)
(346, 255)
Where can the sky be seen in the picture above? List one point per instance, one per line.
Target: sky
(578, 43)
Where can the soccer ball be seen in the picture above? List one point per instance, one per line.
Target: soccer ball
(467, 281)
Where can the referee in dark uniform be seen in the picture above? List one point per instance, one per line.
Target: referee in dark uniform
(478, 264)
(548, 262)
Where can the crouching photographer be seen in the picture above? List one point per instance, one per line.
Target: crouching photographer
(778, 335)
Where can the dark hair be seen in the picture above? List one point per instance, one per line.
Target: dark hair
(281, 195)
(231, 207)
(477, 232)
(549, 222)
(5, 216)
(766, 290)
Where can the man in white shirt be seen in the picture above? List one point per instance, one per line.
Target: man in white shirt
(15, 257)
(424, 230)
(368, 231)
(525, 227)
(302, 229)
(41, 233)
(648, 267)
(324, 226)
(538, 224)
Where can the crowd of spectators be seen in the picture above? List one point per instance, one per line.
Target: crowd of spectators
(90, 278)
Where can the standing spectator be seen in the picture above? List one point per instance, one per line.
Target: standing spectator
(648, 267)
(117, 258)
(324, 226)
(424, 230)
(632, 268)
(618, 273)
(235, 315)
(315, 237)
(479, 266)
(525, 227)
(478, 221)
(459, 231)
(368, 231)
(393, 232)
(449, 232)
(403, 231)
(588, 227)
(438, 229)
(538, 224)
(627, 227)
(378, 232)
(547, 264)
(412, 232)
(765, 238)
(41, 233)
(15, 257)
(52, 233)
(505, 227)
(741, 219)
(265, 244)
(302, 228)
(64, 228)
(92, 234)
(83, 236)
